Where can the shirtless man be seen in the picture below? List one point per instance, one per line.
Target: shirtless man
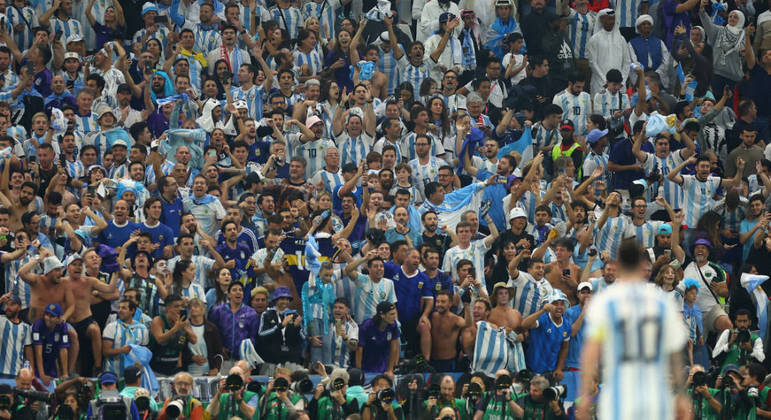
(502, 313)
(83, 289)
(50, 287)
(445, 328)
(479, 312)
(20, 205)
(563, 274)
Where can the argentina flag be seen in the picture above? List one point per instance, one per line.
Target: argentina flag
(495, 350)
(752, 283)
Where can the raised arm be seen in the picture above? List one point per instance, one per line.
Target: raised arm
(674, 174)
(637, 146)
(389, 22)
(89, 15)
(728, 182)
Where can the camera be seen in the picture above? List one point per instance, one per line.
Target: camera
(338, 384)
(5, 402)
(303, 386)
(64, 412)
(474, 391)
(234, 383)
(280, 385)
(385, 396)
(592, 252)
(699, 379)
(503, 382)
(434, 391)
(174, 409)
(36, 396)
(553, 393)
(743, 335)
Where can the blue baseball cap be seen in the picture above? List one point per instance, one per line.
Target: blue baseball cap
(595, 135)
(664, 229)
(690, 282)
(54, 309)
(446, 17)
(108, 378)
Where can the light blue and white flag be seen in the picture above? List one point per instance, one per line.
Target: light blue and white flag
(495, 350)
(142, 355)
(752, 283)
(455, 204)
(248, 353)
(523, 146)
(171, 98)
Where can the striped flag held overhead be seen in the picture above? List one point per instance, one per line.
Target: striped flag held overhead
(752, 283)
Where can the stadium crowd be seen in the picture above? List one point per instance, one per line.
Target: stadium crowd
(342, 209)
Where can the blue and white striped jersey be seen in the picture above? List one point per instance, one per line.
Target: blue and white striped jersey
(576, 108)
(253, 97)
(529, 293)
(382, 142)
(324, 11)
(638, 327)
(670, 190)
(580, 28)
(290, 19)
(68, 27)
(312, 60)
(122, 334)
(645, 234)
(607, 103)
(543, 137)
(698, 196)
(330, 179)
(354, 149)
(86, 124)
(389, 65)
(592, 161)
(203, 265)
(161, 34)
(207, 38)
(414, 75)
(15, 337)
(14, 284)
(335, 350)
(627, 12)
(22, 21)
(474, 253)
(423, 174)
(369, 294)
(609, 237)
(312, 151)
(408, 146)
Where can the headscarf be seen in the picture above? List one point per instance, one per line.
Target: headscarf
(205, 120)
(739, 27)
(615, 33)
(640, 20)
(168, 86)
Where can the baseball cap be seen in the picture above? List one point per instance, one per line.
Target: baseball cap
(72, 258)
(517, 212)
(131, 374)
(664, 229)
(120, 142)
(312, 120)
(702, 241)
(108, 378)
(54, 309)
(446, 17)
(240, 104)
(595, 135)
(567, 125)
(583, 285)
(74, 55)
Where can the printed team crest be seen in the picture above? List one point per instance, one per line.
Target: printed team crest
(388, 336)
(438, 287)
(56, 337)
(160, 238)
(382, 295)
(420, 285)
(548, 331)
(564, 334)
(206, 211)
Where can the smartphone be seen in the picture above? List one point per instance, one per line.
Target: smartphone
(154, 145)
(161, 19)
(148, 67)
(58, 35)
(668, 253)
(566, 272)
(183, 314)
(30, 66)
(338, 322)
(592, 252)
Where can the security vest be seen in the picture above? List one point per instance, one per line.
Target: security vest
(557, 152)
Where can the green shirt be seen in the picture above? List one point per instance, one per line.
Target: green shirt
(328, 409)
(457, 404)
(701, 408)
(276, 409)
(535, 410)
(226, 413)
(734, 352)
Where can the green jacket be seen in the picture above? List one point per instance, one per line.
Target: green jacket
(457, 404)
(226, 413)
(701, 408)
(273, 409)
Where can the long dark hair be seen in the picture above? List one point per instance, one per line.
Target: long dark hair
(444, 116)
(176, 276)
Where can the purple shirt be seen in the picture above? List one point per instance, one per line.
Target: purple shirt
(157, 123)
(42, 82)
(376, 344)
(235, 327)
(52, 342)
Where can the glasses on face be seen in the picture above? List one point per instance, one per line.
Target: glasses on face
(640, 206)
(421, 144)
